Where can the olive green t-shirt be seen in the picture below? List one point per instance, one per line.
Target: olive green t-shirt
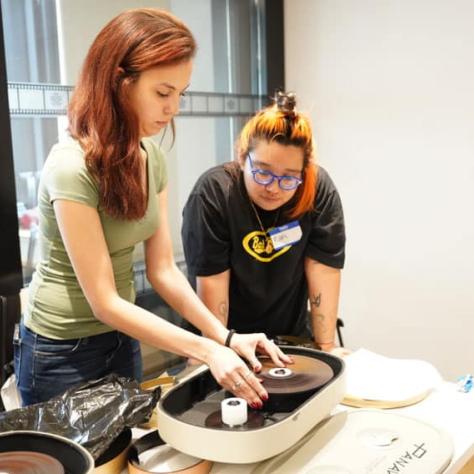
(57, 307)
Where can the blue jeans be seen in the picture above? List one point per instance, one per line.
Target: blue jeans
(47, 367)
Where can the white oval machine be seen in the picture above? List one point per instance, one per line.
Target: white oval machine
(303, 394)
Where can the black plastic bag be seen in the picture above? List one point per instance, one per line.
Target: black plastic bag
(93, 414)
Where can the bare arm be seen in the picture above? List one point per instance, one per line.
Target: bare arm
(93, 268)
(170, 282)
(323, 288)
(214, 293)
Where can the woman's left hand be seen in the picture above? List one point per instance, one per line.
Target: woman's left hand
(247, 345)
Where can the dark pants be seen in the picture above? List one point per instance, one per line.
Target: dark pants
(47, 367)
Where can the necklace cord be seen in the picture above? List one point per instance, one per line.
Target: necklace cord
(260, 221)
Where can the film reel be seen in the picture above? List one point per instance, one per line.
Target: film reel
(18, 462)
(306, 374)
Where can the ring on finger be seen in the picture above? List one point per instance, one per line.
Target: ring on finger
(248, 374)
(236, 385)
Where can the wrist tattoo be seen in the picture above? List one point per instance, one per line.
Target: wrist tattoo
(316, 300)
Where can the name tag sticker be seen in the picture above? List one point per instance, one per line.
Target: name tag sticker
(284, 235)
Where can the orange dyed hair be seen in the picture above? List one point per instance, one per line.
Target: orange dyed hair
(285, 126)
(100, 114)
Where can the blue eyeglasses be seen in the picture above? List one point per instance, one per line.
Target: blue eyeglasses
(265, 178)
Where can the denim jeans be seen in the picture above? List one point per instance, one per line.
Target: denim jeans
(47, 367)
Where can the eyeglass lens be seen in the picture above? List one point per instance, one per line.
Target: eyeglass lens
(264, 177)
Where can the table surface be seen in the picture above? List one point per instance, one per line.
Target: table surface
(453, 411)
(445, 408)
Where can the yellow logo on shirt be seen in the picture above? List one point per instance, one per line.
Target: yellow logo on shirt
(260, 246)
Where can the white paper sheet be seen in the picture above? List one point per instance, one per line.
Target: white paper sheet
(371, 376)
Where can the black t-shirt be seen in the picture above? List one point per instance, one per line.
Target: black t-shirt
(268, 291)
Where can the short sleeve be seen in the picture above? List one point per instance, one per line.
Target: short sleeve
(66, 177)
(205, 232)
(327, 236)
(158, 164)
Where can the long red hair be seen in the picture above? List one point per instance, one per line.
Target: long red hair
(280, 122)
(100, 114)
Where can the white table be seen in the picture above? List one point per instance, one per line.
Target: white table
(452, 411)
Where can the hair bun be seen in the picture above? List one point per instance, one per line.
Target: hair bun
(286, 102)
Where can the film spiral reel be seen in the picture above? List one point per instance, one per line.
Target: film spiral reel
(23, 451)
(18, 462)
(306, 373)
(289, 386)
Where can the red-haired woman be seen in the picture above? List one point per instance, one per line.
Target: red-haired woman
(265, 232)
(102, 191)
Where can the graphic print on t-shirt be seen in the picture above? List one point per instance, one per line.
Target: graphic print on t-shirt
(259, 245)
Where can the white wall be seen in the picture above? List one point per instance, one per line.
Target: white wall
(389, 86)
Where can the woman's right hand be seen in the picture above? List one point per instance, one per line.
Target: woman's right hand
(231, 372)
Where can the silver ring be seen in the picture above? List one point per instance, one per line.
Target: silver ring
(237, 385)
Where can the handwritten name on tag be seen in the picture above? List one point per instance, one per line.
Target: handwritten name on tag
(285, 235)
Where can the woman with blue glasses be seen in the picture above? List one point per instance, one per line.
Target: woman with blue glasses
(263, 234)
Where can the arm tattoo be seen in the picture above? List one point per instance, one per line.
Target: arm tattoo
(316, 300)
(319, 317)
(223, 310)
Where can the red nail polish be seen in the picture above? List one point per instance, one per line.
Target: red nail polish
(265, 397)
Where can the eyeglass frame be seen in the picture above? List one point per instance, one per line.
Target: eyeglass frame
(273, 176)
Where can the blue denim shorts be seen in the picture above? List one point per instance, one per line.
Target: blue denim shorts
(47, 367)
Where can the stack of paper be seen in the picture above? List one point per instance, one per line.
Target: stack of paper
(377, 381)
